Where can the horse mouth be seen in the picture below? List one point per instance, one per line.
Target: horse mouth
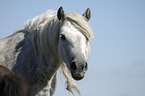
(77, 76)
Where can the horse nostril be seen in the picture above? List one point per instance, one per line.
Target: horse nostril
(73, 66)
(86, 66)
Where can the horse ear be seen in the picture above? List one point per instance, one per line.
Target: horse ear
(60, 14)
(87, 14)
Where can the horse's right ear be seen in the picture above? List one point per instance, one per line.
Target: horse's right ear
(61, 14)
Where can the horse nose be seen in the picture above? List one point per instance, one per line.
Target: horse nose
(78, 70)
(80, 66)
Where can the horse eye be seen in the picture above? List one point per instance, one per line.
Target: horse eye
(62, 37)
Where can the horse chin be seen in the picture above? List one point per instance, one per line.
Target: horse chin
(77, 76)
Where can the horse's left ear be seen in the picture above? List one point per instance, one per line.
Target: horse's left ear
(60, 14)
(87, 14)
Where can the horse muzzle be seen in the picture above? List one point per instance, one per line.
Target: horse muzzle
(78, 70)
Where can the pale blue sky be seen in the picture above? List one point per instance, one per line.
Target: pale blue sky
(117, 60)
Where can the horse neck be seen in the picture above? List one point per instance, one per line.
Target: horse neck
(45, 45)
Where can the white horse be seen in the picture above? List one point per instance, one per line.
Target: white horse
(46, 43)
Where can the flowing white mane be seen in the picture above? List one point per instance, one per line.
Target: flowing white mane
(46, 29)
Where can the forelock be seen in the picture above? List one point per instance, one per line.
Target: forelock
(80, 22)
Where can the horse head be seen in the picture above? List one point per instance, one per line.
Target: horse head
(74, 44)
